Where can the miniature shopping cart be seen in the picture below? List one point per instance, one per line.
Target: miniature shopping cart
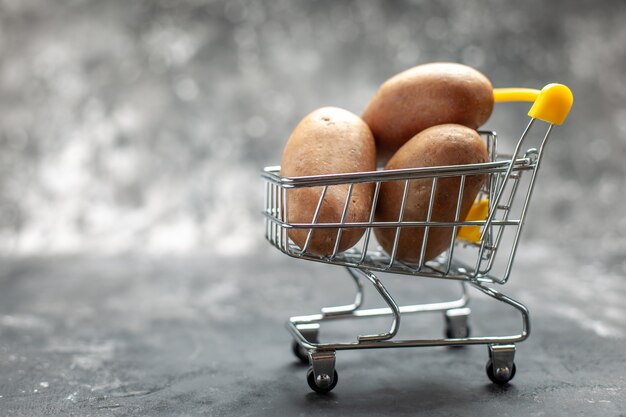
(480, 253)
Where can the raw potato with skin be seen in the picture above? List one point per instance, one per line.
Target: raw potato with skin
(329, 141)
(447, 144)
(424, 96)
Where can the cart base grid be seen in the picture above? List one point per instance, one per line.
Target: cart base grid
(322, 376)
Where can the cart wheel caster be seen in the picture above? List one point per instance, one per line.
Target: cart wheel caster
(457, 326)
(311, 333)
(500, 366)
(300, 352)
(322, 386)
(458, 333)
(500, 376)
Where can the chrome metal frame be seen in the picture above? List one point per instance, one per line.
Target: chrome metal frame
(502, 188)
(375, 341)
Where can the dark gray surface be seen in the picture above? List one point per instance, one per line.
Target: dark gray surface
(205, 336)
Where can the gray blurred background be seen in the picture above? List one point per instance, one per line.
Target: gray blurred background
(142, 126)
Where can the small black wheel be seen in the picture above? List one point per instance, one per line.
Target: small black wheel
(450, 335)
(499, 380)
(310, 378)
(300, 352)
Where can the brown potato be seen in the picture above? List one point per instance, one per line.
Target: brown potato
(329, 141)
(424, 96)
(447, 144)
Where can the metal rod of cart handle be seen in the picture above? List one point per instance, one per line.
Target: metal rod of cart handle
(551, 105)
(494, 204)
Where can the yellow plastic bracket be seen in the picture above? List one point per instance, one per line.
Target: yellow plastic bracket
(551, 104)
(479, 211)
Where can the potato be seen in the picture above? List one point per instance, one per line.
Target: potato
(424, 96)
(329, 141)
(448, 144)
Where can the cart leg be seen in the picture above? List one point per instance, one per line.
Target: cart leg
(457, 326)
(500, 366)
(322, 376)
(515, 304)
(358, 299)
(395, 310)
(311, 333)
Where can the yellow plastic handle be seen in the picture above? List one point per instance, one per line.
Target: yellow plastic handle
(515, 94)
(552, 104)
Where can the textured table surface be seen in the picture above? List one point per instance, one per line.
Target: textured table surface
(202, 336)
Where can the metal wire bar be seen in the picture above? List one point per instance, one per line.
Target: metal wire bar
(343, 220)
(266, 199)
(525, 205)
(457, 214)
(278, 208)
(400, 218)
(389, 225)
(491, 243)
(395, 310)
(273, 211)
(461, 302)
(279, 204)
(495, 203)
(358, 298)
(380, 263)
(431, 204)
(286, 219)
(496, 242)
(516, 304)
(314, 220)
(368, 231)
(271, 174)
